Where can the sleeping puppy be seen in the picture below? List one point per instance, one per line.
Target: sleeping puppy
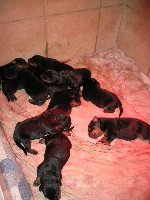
(49, 174)
(49, 122)
(48, 63)
(100, 97)
(122, 128)
(19, 62)
(32, 85)
(72, 78)
(69, 96)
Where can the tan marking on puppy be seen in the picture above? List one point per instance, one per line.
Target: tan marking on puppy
(96, 132)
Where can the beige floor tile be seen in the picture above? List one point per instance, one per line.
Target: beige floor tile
(73, 34)
(142, 6)
(53, 6)
(111, 2)
(134, 38)
(110, 18)
(22, 39)
(17, 9)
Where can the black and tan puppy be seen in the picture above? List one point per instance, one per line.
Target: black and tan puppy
(122, 128)
(72, 78)
(49, 122)
(49, 173)
(48, 63)
(100, 97)
(19, 62)
(69, 96)
(32, 85)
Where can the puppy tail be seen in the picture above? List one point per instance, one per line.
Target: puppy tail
(120, 108)
(19, 144)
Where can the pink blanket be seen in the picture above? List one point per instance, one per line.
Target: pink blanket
(94, 171)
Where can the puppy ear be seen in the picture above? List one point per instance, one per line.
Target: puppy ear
(95, 119)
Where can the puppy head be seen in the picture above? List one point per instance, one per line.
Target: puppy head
(95, 128)
(36, 60)
(51, 190)
(74, 98)
(21, 63)
(50, 76)
(12, 72)
(92, 82)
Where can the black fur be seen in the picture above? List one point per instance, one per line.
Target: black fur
(71, 78)
(32, 85)
(56, 88)
(100, 97)
(69, 96)
(49, 122)
(19, 62)
(9, 87)
(122, 128)
(48, 63)
(49, 174)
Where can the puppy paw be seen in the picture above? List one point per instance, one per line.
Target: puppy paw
(36, 183)
(42, 141)
(104, 141)
(13, 98)
(33, 151)
(66, 133)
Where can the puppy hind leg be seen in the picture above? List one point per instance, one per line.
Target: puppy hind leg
(27, 145)
(109, 109)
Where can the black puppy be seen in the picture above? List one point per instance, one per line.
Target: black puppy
(69, 96)
(19, 62)
(122, 128)
(48, 63)
(49, 174)
(72, 78)
(100, 97)
(32, 85)
(49, 122)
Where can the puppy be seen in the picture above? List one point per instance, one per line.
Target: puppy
(69, 96)
(72, 78)
(100, 97)
(48, 63)
(122, 128)
(19, 62)
(33, 86)
(49, 122)
(49, 174)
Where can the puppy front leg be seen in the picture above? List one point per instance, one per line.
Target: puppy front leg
(37, 182)
(108, 138)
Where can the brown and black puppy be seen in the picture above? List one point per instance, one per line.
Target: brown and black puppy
(32, 85)
(69, 96)
(100, 97)
(19, 62)
(122, 128)
(48, 63)
(49, 122)
(49, 173)
(72, 78)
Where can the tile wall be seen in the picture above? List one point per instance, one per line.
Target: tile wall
(64, 29)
